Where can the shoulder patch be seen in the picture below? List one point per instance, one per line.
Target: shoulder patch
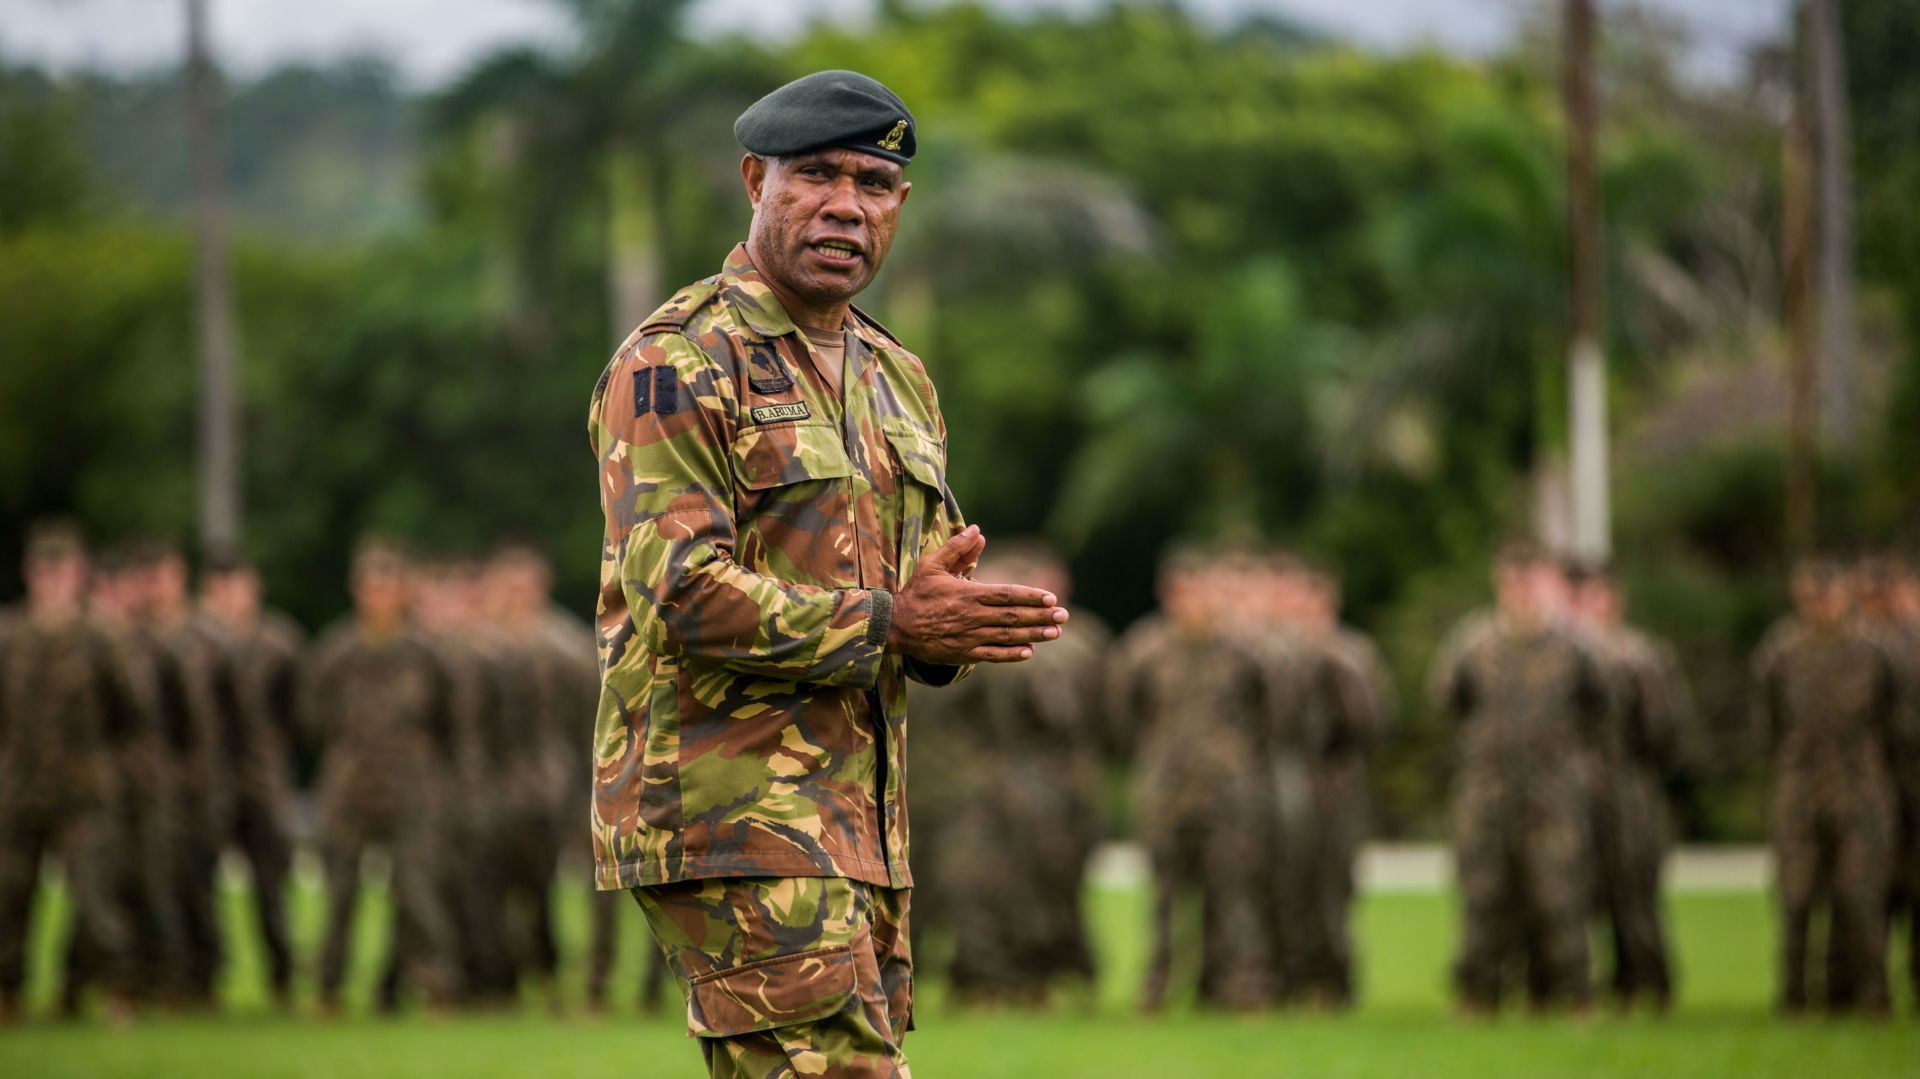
(655, 389)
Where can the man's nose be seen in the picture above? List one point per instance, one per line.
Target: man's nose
(842, 203)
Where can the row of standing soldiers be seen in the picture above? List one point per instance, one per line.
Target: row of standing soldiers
(1568, 721)
(145, 731)
(1248, 714)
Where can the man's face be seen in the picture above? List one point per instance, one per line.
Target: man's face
(235, 593)
(1820, 596)
(1597, 603)
(823, 221)
(381, 595)
(56, 583)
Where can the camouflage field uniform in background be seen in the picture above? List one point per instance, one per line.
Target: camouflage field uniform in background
(1648, 707)
(751, 724)
(1828, 696)
(265, 666)
(69, 696)
(1363, 706)
(200, 714)
(522, 841)
(1524, 702)
(382, 709)
(1197, 697)
(1291, 740)
(469, 887)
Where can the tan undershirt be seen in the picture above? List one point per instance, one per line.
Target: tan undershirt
(830, 346)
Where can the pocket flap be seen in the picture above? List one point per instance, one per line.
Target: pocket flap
(919, 452)
(775, 454)
(777, 992)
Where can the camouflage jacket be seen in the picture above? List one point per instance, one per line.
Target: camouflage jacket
(72, 694)
(750, 721)
(1531, 702)
(1828, 698)
(382, 708)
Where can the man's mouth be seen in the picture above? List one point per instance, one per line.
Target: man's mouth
(837, 250)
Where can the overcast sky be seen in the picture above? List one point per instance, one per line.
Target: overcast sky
(433, 40)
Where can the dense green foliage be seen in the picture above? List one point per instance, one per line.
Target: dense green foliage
(1721, 1026)
(1172, 282)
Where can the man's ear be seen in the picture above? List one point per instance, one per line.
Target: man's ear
(753, 170)
(906, 188)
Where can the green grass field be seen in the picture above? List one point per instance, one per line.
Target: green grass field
(1722, 1025)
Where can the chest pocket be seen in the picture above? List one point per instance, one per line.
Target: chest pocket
(919, 453)
(923, 496)
(775, 455)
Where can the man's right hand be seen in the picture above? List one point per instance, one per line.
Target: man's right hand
(942, 617)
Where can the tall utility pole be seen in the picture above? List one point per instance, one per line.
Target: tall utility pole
(1795, 254)
(218, 426)
(1586, 366)
(1833, 187)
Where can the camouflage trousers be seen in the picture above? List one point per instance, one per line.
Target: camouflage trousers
(1524, 862)
(1836, 845)
(789, 976)
(1630, 839)
(263, 836)
(86, 846)
(424, 944)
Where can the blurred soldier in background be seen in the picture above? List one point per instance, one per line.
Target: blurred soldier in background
(1525, 694)
(1361, 704)
(1015, 756)
(1877, 586)
(70, 698)
(545, 687)
(1827, 694)
(263, 650)
(445, 602)
(201, 715)
(1649, 705)
(145, 881)
(1196, 695)
(379, 699)
(1263, 614)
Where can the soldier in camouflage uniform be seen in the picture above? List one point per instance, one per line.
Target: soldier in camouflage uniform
(1265, 617)
(69, 695)
(1638, 746)
(1527, 696)
(142, 763)
(1013, 753)
(1360, 711)
(1828, 696)
(447, 609)
(263, 648)
(380, 701)
(202, 715)
(781, 554)
(538, 677)
(1198, 696)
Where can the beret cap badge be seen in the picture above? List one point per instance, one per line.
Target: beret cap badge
(892, 141)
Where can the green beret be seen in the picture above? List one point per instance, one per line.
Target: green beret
(829, 109)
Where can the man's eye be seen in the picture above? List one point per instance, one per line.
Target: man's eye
(875, 183)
